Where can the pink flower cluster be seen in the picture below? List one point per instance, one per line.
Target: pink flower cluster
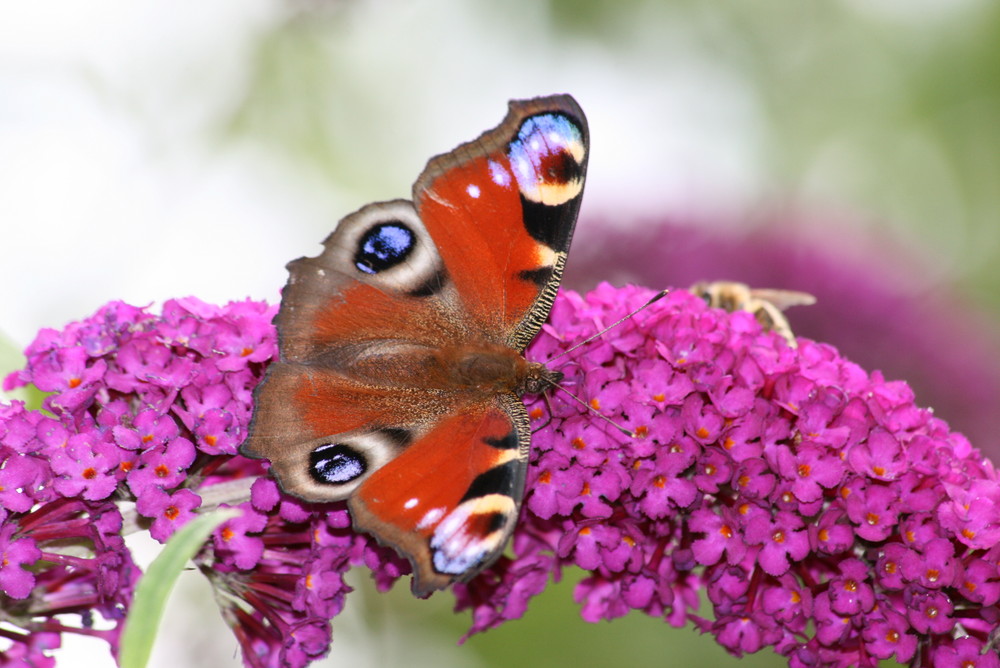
(814, 505)
(150, 409)
(821, 511)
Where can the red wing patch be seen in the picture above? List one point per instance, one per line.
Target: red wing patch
(435, 502)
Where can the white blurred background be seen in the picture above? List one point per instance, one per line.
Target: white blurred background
(154, 149)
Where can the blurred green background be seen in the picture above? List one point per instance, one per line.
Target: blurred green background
(153, 150)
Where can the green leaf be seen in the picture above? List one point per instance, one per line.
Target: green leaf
(155, 586)
(11, 359)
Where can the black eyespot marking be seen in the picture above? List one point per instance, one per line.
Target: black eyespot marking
(540, 276)
(384, 246)
(560, 167)
(508, 442)
(497, 520)
(548, 224)
(548, 159)
(336, 464)
(433, 285)
(399, 437)
(498, 480)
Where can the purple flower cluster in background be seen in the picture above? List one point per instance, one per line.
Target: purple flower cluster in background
(882, 310)
(817, 509)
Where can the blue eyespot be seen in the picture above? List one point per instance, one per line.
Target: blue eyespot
(547, 158)
(336, 463)
(384, 246)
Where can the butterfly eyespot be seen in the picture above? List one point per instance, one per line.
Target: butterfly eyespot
(336, 464)
(468, 535)
(547, 158)
(384, 246)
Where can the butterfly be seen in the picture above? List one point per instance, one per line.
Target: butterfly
(401, 366)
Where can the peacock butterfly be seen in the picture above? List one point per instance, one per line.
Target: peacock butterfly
(401, 365)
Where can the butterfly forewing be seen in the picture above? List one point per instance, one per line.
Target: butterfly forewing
(529, 173)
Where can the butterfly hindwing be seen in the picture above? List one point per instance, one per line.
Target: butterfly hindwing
(400, 376)
(451, 499)
(321, 454)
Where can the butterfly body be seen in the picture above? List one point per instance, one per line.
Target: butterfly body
(401, 372)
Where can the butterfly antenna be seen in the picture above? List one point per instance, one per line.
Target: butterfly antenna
(627, 432)
(655, 298)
